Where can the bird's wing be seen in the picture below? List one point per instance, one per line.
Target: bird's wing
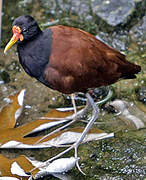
(74, 50)
(77, 57)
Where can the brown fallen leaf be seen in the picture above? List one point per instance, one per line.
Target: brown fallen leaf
(19, 167)
(5, 166)
(11, 137)
(10, 112)
(18, 134)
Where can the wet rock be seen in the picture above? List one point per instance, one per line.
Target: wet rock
(23, 3)
(142, 94)
(4, 76)
(112, 11)
(99, 17)
(13, 66)
(138, 32)
(98, 94)
(118, 40)
(79, 7)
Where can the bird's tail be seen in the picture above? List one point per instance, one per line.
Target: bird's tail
(129, 73)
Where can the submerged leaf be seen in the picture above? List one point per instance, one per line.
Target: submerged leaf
(10, 112)
(8, 166)
(11, 137)
(68, 136)
(15, 137)
(130, 114)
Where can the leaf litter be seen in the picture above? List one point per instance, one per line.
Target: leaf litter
(17, 137)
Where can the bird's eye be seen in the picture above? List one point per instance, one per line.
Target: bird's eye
(24, 30)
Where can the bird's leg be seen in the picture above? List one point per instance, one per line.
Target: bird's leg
(74, 107)
(99, 103)
(87, 128)
(73, 103)
(77, 116)
(90, 123)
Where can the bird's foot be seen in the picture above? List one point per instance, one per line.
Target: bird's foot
(76, 156)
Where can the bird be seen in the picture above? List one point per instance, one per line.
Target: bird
(68, 59)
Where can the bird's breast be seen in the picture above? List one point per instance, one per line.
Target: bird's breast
(34, 55)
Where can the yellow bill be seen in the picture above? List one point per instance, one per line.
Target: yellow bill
(10, 44)
(16, 36)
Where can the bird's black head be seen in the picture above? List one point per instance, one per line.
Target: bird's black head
(24, 28)
(28, 27)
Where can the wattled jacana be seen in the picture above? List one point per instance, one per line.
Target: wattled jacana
(68, 59)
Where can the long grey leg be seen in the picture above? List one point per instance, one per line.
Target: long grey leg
(73, 103)
(84, 133)
(91, 122)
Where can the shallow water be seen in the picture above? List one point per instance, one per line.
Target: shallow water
(118, 158)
